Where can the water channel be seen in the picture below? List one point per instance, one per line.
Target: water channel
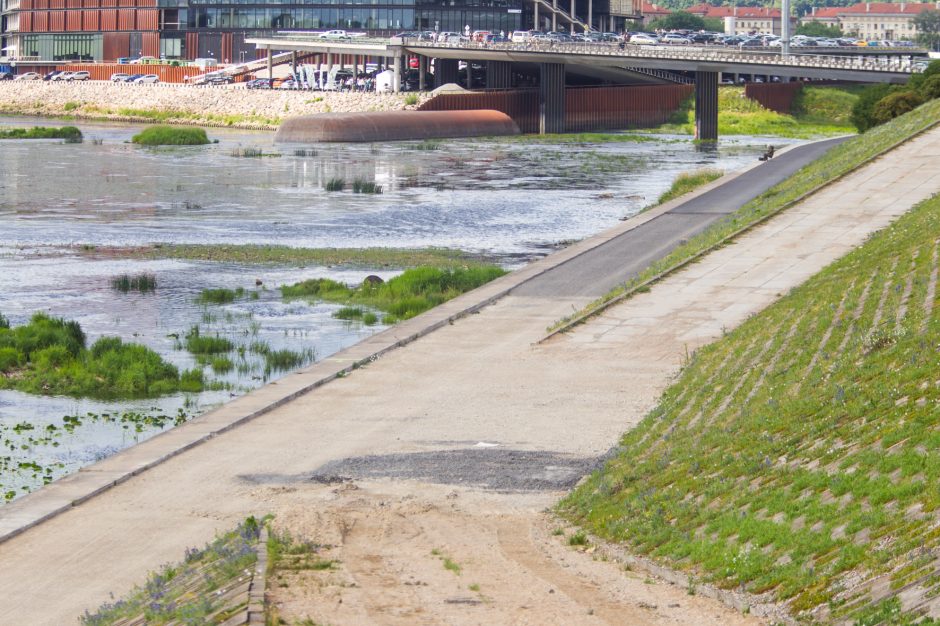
(507, 199)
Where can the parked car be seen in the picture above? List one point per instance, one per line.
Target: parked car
(52, 74)
(132, 78)
(6, 76)
(673, 38)
(148, 79)
(126, 60)
(642, 39)
(63, 76)
(338, 34)
(259, 83)
(119, 77)
(29, 76)
(143, 60)
(751, 43)
(218, 79)
(81, 75)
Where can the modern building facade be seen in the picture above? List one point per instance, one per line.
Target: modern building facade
(105, 30)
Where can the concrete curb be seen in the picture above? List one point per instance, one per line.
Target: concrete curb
(93, 480)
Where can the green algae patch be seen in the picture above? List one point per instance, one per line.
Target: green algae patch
(411, 293)
(48, 356)
(171, 136)
(392, 258)
(798, 455)
(69, 133)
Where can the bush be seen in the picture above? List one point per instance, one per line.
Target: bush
(69, 133)
(171, 136)
(930, 88)
(10, 359)
(863, 112)
(895, 104)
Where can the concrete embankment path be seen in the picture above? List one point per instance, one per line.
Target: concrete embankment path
(455, 443)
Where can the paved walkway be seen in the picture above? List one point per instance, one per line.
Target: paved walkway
(480, 379)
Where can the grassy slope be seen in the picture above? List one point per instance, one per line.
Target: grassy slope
(817, 111)
(837, 162)
(799, 455)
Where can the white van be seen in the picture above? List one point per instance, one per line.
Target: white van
(521, 36)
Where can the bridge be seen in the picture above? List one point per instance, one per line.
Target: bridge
(645, 63)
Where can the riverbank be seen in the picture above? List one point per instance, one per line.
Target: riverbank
(182, 104)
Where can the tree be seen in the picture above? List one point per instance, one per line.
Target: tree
(818, 29)
(863, 110)
(928, 28)
(680, 20)
(896, 104)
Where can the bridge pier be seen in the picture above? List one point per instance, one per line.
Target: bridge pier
(422, 73)
(551, 98)
(445, 71)
(706, 105)
(498, 75)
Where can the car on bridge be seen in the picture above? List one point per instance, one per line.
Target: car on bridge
(336, 34)
(642, 39)
(675, 39)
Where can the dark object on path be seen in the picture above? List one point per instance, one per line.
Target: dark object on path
(373, 280)
(258, 282)
(768, 154)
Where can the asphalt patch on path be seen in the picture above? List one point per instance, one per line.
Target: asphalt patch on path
(490, 468)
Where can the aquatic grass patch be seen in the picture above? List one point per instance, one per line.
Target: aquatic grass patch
(171, 136)
(249, 152)
(305, 152)
(836, 163)
(48, 356)
(143, 283)
(366, 186)
(334, 184)
(222, 365)
(199, 344)
(797, 456)
(411, 293)
(282, 360)
(220, 295)
(201, 588)
(68, 133)
(687, 182)
(398, 258)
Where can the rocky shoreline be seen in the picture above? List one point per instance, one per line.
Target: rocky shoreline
(222, 106)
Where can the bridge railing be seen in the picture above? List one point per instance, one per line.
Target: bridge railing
(692, 53)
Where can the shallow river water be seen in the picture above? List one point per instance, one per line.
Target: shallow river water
(509, 199)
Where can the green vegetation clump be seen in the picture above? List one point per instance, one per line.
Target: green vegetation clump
(408, 294)
(687, 182)
(259, 253)
(138, 282)
(335, 184)
(193, 591)
(798, 455)
(69, 133)
(879, 104)
(835, 163)
(365, 186)
(218, 296)
(738, 115)
(171, 136)
(201, 344)
(48, 356)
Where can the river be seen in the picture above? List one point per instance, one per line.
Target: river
(509, 199)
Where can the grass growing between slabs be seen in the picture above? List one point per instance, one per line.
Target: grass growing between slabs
(49, 356)
(798, 456)
(208, 587)
(837, 162)
(405, 296)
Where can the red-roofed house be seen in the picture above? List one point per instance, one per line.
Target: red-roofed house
(651, 12)
(874, 20)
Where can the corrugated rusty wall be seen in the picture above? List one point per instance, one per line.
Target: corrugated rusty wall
(586, 108)
(774, 96)
(605, 108)
(103, 71)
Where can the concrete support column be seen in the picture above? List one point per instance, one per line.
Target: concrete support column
(422, 73)
(396, 79)
(554, 15)
(293, 64)
(706, 105)
(551, 98)
(469, 71)
(536, 6)
(498, 74)
(270, 64)
(590, 19)
(573, 14)
(445, 71)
